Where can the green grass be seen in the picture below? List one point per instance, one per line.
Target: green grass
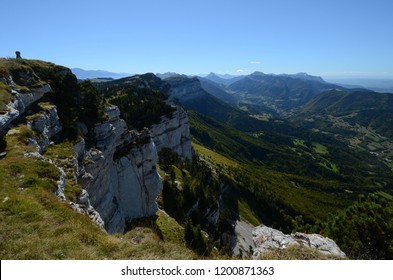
(320, 149)
(385, 195)
(299, 142)
(35, 224)
(261, 117)
(14, 68)
(246, 212)
(171, 231)
(213, 156)
(298, 253)
(330, 166)
(5, 97)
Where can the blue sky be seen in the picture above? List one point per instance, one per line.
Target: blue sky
(343, 38)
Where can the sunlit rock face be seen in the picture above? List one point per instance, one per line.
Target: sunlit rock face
(266, 239)
(119, 172)
(173, 133)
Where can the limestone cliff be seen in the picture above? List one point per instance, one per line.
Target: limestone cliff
(173, 133)
(119, 172)
(114, 167)
(20, 102)
(47, 125)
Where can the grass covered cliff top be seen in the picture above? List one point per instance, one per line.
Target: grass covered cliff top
(9, 66)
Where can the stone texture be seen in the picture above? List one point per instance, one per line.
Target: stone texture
(173, 133)
(266, 238)
(119, 172)
(21, 102)
(84, 207)
(46, 125)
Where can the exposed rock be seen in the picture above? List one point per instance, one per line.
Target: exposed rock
(21, 101)
(119, 173)
(84, 207)
(244, 244)
(323, 244)
(47, 125)
(61, 183)
(267, 239)
(173, 133)
(117, 169)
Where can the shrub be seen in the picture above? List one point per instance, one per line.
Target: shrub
(25, 133)
(365, 229)
(5, 97)
(194, 237)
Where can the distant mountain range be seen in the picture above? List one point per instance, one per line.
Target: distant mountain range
(379, 85)
(91, 74)
(223, 79)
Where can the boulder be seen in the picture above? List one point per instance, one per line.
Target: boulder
(266, 239)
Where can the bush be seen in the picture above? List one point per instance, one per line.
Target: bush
(365, 229)
(194, 237)
(5, 97)
(25, 133)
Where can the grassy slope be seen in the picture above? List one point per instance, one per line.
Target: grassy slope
(35, 224)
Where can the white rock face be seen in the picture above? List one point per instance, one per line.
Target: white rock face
(46, 125)
(21, 101)
(266, 238)
(173, 133)
(119, 173)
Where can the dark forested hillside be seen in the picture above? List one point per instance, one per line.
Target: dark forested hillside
(279, 92)
(140, 98)
(367, 108)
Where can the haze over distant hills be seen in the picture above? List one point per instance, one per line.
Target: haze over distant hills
(91, 74)
(379, 85)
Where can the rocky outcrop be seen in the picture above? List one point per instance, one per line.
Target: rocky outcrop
(266, 239)
(47, 125)
(119, 172)
(21, 102)
(173, 133)
(115, 167)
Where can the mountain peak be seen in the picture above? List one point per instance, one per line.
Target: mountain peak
(305, 76)
(91, 74)
(220, 79)
(212, 75)
(168, 75)
(257, 73)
